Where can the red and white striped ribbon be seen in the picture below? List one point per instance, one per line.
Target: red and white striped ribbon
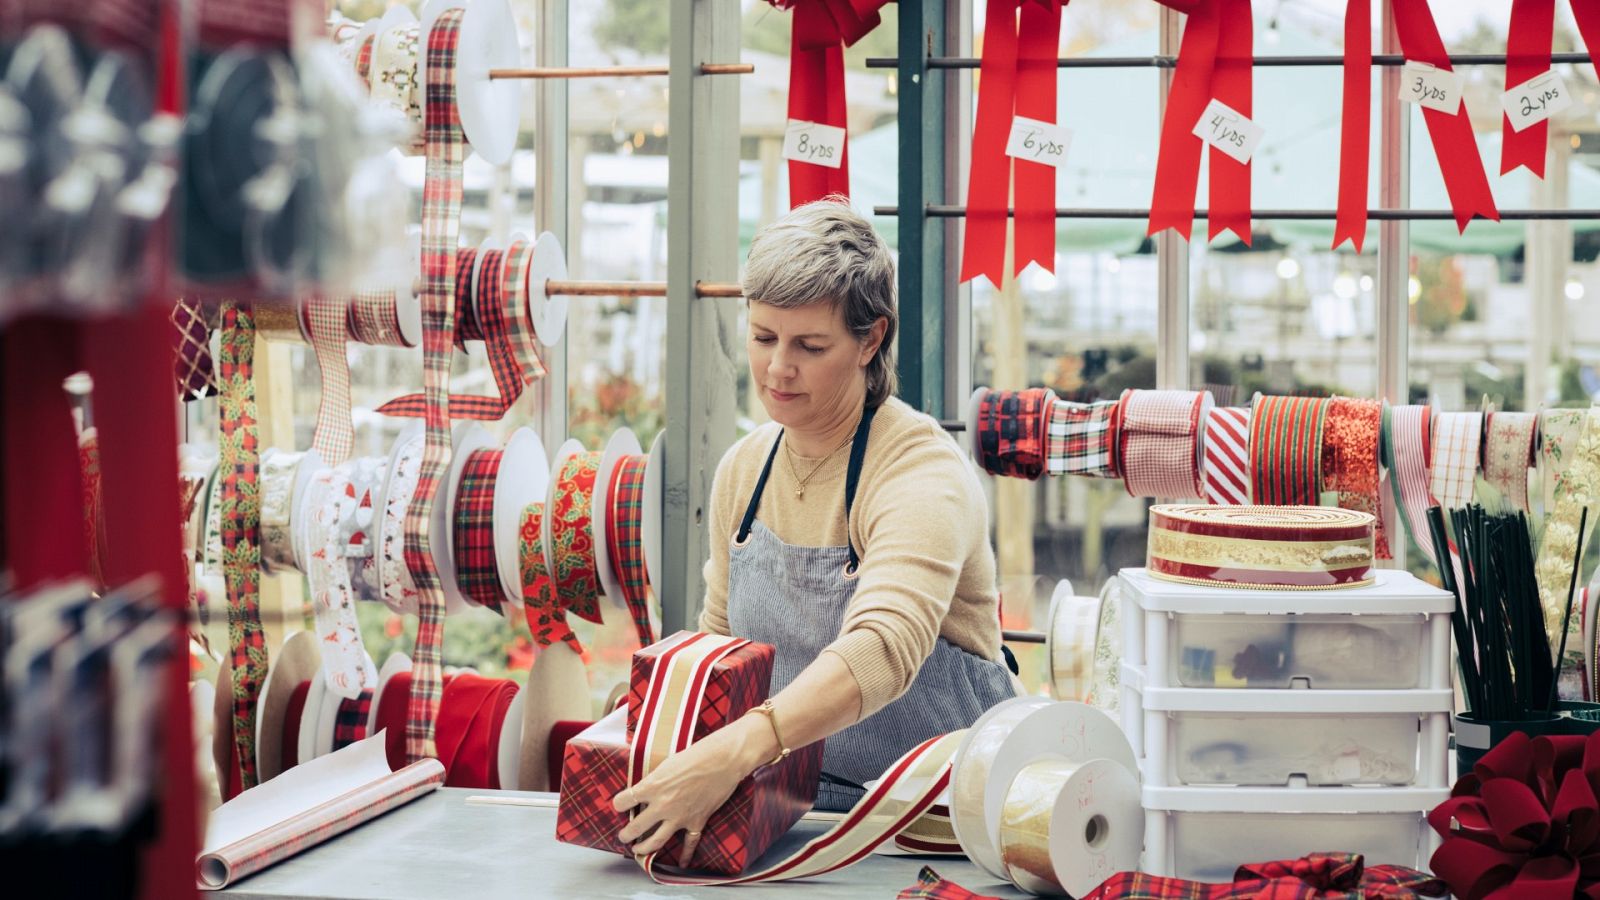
(1227, 457)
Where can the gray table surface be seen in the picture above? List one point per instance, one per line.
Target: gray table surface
(441, 846)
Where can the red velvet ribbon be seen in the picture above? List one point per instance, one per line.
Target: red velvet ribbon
(292, 712)
(1215, 60)
(1525, 823)
(1018, 78)
(822, 29)
(1528, 56)
(1355, 126)
(472, 714)
(1453, 141)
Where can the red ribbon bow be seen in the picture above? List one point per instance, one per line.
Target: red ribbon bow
(1528, 56)
(1525, 823)
(822, 29)
(1017, 78)
(1215, 60)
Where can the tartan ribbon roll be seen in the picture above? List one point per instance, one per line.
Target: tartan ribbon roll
(577, 584)
(625, 542)
(1227, 456)
(1012, 428)
(547, 619)
(1350, 463)
(468, 326)
(1162, 444)
(364, 60)
(350, 725)
(477, 573)
(1286, 450)
(373, 318)
(1508, 453)
(1081, 439)
(1457, 438)
(1269, 547)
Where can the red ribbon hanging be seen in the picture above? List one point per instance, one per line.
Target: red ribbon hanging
(1214, 60)
(1355, 126)
(1528, 56)
(1017, 77)
(1453, 140)
(822, 29)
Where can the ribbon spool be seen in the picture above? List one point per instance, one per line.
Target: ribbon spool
(547, 313)
(297, 662)
(557, 691)
(650, 526)
(284, 476)
(479, 725)
(1559, 430)
(1106, 691)
(1457, 439)
(1286, 450)
(524, 478)
(1070, 642)
(617, 524)
(1010, 738)
(1161, 442)
(1082, 439)
(1265, 547)
(346, 665)
(1508, 452)
(1067, 827)
(472, 530)
(468, 439)
(46, 81)
(1013, 431)
(322, 730)
(569, 534)
(930, 834)
(395, 585)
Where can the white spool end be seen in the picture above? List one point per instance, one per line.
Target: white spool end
(508, 760)
(489, 107)
(623, 443)
(548, 314)
(524, 477)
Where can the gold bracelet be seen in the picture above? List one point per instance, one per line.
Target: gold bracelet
(766, 709)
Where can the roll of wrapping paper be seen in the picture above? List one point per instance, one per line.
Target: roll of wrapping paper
(1558, 546)
(577, 584)
(249, 855)
(1286, 450)
(1162, 443)
(1081, 439)
(1559, 430)
(1013, 432)
(547, 619)
(1508, 453)
(1350, 463)
(1269, 547)
(472, 715)
(1073, 634)
(1067, 826)
(1456, 441)
(477, 573)
(624, 541)
(278, 475)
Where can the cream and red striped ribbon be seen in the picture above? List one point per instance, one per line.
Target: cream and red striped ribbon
(1228, 456)
(1456, 439)
(666, 725)
(1162, 443)
(1406, 445)
(1508, 454)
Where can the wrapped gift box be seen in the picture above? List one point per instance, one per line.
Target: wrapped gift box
(763, 807)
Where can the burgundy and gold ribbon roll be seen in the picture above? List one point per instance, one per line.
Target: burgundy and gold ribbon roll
(1271, 547)
(477, 571)
(1286, 450)
(1161, 443)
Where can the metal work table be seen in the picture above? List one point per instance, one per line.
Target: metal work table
(440, 847)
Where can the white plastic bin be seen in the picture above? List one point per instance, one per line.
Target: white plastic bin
(1391, 635)
(1283, 738)
(1206, 834)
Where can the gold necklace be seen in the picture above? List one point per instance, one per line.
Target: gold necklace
(800, 489)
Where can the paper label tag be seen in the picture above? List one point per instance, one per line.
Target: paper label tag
(1040, 142)
(814, 142)
(1228, 130)
(1431, 87)
(1535, 100)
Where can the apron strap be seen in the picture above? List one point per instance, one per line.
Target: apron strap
(755, 498)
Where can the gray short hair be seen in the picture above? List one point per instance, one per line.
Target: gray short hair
(824, 250)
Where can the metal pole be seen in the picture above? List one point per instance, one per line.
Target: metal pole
(921, 344)
(550, 203)
(957, 152)
(703, 348)
(1172, 255)
(1394, 253)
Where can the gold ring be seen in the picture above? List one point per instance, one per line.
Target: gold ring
(693, 834)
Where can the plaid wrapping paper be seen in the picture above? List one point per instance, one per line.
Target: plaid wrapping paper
(1012, 428)
(738, 683)
(335, 433)
(625, 541)
(441, 225)
(1286, 450)
(762, 809)
(191, 351)
(1161, 443)
(222, 867)
(1326, 876)
(241, 528)
(1350, 462)
(1080, 439)
(547, 619)
(1227, 460)
(351, 723)
(1456, 439)
(577, 584)
(477, 573)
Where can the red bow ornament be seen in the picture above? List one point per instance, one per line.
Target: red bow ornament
(822, 29)
(1215, 61)
(1017, 77)
(1527, 57)
(1524, 823)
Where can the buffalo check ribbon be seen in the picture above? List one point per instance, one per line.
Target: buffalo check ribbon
(1286, 450)
(1350, 461)
(625, 541)
(1456, 440)
(1012, 429)
(477, 572)
(241, 528)
(1227, 456)
(441, 224)
(1081, 439)
(335, 434)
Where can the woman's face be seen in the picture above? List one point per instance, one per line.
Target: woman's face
(806, 365)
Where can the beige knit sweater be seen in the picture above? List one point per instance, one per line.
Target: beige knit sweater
(920, 524)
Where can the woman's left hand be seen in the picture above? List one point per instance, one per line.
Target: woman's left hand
(680, 795)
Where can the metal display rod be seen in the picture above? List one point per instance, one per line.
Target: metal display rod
(554, 288)
(616, 71)
(1022, 637)
(1169, 62)
(950, 211)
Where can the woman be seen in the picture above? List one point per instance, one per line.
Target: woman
(850, 533)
